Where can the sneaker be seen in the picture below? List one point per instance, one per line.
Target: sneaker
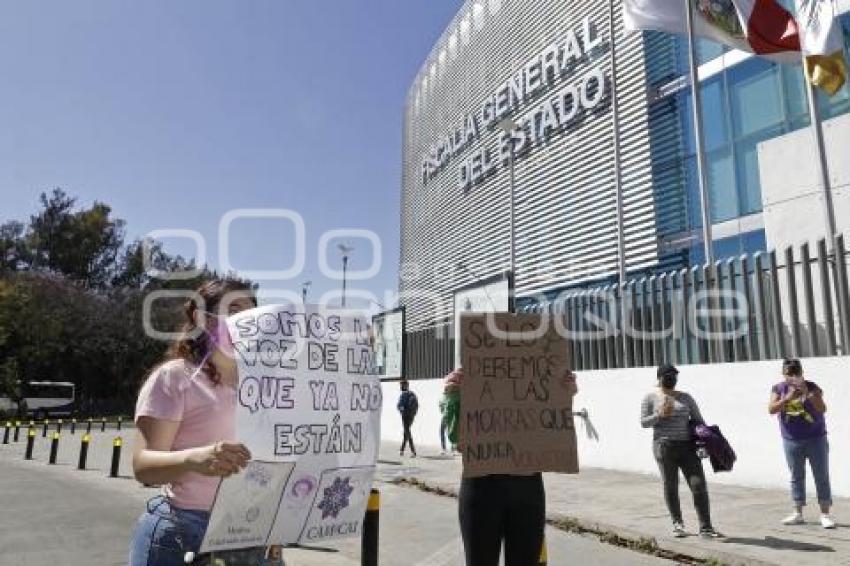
(709, 533)
(827, 522)
(793, 519)
(679, 530)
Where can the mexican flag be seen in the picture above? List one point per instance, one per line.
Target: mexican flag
(762, 27)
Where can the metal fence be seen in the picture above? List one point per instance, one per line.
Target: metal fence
(753, 307)
(759, 307)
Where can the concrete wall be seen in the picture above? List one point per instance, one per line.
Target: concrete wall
(733, 396)
(792, 194)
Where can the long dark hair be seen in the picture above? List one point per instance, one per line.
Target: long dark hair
(194, 345)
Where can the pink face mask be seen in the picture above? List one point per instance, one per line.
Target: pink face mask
(220, 335)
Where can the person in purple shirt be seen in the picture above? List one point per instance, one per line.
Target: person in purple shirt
(800, 407)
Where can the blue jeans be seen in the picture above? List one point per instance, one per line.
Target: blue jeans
(165, 533)
(816, 451)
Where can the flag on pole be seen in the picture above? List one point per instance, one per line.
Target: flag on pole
(762, 27)
(822, 44)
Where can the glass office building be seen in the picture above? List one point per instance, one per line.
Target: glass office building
(745, 101)
(539, 72)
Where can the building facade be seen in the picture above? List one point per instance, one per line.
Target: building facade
(509, 156)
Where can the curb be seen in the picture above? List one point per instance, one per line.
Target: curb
(611, 534)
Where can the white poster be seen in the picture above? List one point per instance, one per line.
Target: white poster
(246, 506)
(388, 329)
(308, 397)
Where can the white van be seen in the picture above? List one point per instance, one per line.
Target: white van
(44, 399)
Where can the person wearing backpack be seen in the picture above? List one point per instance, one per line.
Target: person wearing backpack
(408, 405)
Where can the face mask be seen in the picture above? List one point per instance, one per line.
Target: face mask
(220, 335)
(669, 381)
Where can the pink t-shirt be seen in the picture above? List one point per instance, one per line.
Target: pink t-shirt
(179, 391)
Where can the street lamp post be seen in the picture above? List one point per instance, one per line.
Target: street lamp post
(344, 250)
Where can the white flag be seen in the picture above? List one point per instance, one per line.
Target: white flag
(823, 44)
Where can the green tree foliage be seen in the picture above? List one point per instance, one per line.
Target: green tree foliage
(71, 302)
(81, 244)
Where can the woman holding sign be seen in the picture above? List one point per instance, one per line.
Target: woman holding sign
(500, 507)
(186, 430)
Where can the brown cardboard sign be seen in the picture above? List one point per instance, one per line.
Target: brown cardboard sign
(515, 409)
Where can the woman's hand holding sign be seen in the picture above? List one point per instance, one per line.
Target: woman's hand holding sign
(570, 382)
(220, 459)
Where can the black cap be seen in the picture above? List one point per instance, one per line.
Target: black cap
(667, 369)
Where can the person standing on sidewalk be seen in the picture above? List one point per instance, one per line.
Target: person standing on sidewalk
(499, 508)
(408, 406)
(186, 432)
(442, 406)
(670, 414)
(800, 408)
(450, 406)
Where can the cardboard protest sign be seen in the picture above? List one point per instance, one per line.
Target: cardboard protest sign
(516, 412)
(309, 410)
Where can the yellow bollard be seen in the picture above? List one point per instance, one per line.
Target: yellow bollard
(371, 528)
(544, 555)
(116, 457)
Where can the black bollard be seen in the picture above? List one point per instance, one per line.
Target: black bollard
(116, 457)
(544, 555)
(6, 432)
(30, 444)
(59, 426)
(369, 541)
(54, 448)
(103, 424)
(88, 429)
(84, 452)
(73, 426)
(44, 430)
(119, 423)
(17, 430)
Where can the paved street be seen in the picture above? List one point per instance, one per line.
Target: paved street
(58, 515)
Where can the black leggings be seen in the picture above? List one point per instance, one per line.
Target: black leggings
(407, 422)
(502, 507)
(675, 455)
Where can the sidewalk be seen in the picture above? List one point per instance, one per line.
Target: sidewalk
(631, 505)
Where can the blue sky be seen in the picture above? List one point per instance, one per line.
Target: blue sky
(176, 112)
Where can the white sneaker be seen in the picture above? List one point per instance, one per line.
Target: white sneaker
(793, 519)
(827, 522)
(679, 530)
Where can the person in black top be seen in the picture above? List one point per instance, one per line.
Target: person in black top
(408, 405)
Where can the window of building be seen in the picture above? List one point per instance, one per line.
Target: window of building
(742, 106)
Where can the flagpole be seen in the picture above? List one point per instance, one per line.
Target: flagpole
(823, 166)
(618, 180)
(700, 144)
(615, 126)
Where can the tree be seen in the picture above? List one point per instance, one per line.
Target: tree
(14, 253)
(81, 244)
(72, 296)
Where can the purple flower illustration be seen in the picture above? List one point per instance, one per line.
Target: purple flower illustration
(258, 475)
(335, 497)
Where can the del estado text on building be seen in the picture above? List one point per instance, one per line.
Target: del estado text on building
(555, 113)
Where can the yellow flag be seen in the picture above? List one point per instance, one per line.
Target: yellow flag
(822, 42)
(828, 72)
